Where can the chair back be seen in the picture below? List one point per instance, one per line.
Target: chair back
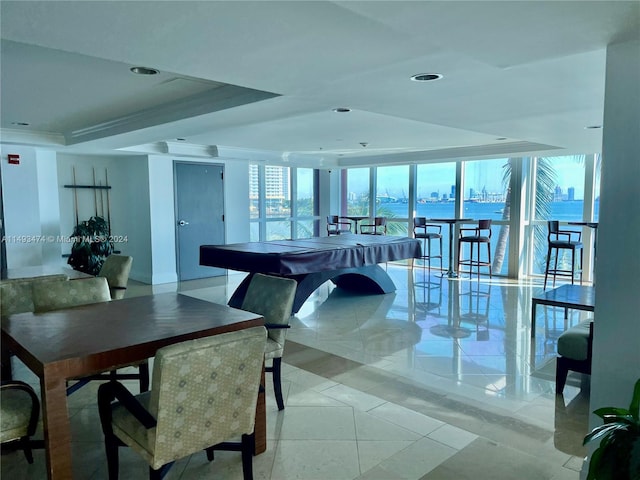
(272, 297)
(484, 225)
(554, 227)
(57, 295)
(204, 392)
(332, 219)
(116, 269)
(419, 222)
(16, 296)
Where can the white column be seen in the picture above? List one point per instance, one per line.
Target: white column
(616, 346)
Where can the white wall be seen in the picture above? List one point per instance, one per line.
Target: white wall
(29, 215)
(616, 346)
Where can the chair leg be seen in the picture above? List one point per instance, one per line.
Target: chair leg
(143, 370)
(111, 448)
(210, 454)
(277, 382)
(25, 444)
(562, 371)
(248, 446)
(489, 256)
(546, 270)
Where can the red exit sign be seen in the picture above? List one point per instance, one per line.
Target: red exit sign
(14, 159)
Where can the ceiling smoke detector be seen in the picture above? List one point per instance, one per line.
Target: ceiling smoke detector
(364, 144)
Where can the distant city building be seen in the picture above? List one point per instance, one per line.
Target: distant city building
(571, 194)
(472, 193)
(435, 195)
(557, 194)
(453, 192)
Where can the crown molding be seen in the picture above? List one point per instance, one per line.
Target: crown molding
(31, 138)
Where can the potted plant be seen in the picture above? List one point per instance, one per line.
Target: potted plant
(618, 456)
(91, 245)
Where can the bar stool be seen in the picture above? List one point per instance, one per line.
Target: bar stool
(335, 225)
(477, 239)
(421, 231)
(556, 244)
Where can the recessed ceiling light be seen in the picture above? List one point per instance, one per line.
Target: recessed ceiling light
(144, 71)
(426, 77)
(181, 139)
(501, 138)
(592, 127)
(341, 110)
(20, 124)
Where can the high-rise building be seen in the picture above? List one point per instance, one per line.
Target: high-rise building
(571, 194)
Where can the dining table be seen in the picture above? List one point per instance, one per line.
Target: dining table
(71, 343)
(451, 272)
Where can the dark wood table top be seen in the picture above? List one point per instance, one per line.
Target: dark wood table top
(573, 296)
(96, 337)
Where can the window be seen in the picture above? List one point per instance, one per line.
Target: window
(273, 214)
(357, 180)
(392, 186)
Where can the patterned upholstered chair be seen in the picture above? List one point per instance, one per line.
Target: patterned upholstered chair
(116, 270)
(204, 394)
(19, 408)
(17, 294)
(272, 297)
(59, 295)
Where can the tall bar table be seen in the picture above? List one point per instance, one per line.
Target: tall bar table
(451, 272)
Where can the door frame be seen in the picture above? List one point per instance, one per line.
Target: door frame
(175, 206)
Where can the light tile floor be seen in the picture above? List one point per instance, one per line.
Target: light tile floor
(439, 380)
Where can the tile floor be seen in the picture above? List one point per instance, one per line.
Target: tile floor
(439, 380)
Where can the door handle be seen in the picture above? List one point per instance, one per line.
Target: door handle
(182, 223)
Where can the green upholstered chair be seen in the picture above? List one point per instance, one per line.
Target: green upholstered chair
(19, 409)
(204, 394)
(73, 293)
(116, 269)
(272, 297)
(60, 295)
(574, 352)
(16, 294)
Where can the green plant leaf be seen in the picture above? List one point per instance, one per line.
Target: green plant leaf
(602, 431)
(614, 411)
(634, 407)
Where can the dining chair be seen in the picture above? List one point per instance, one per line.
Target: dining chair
(203, 397)
(481, 235)
(558, 240)
(426, 232)
(20, 409)
(336, 225)
(575, 347)
(16, 296)
(116, 270)
(74, 293)
(272, 297)
(377, 226)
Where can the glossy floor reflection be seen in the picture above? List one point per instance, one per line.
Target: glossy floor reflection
(439, 380)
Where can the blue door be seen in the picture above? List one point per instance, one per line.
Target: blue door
(200, 216)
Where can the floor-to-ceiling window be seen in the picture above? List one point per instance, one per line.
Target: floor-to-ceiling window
(436, 195)
(392, 201)
(559, 188)
(282, 202)
(485, 198)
